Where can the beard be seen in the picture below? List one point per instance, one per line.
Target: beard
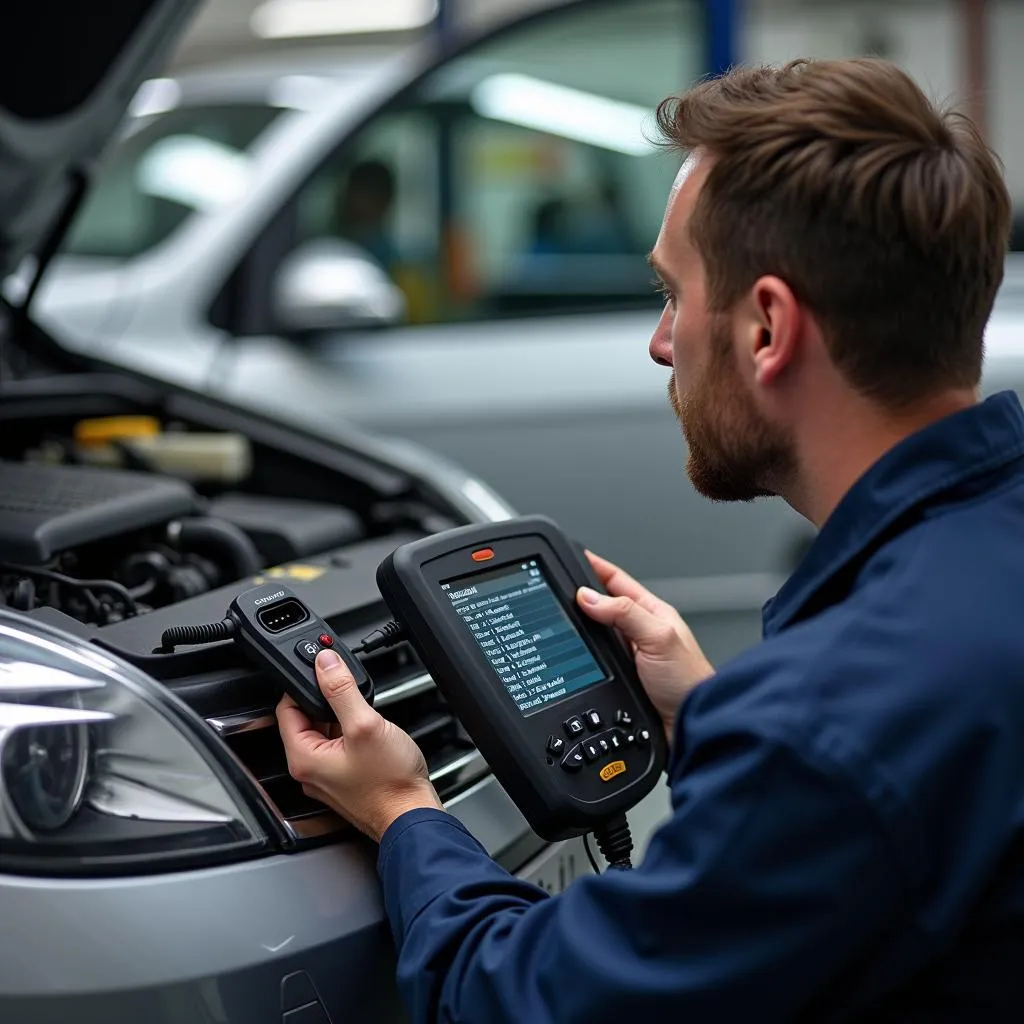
(735, 454)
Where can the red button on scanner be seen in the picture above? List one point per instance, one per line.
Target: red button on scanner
(326, 639)
(483, 555)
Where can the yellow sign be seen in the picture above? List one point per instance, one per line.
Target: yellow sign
(609, 771)
(302, 573)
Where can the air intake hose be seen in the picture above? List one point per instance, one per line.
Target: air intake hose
(217, 536)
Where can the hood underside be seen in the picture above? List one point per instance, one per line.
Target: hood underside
(70, 71)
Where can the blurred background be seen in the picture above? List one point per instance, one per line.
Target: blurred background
(967, 50)
(429, 218)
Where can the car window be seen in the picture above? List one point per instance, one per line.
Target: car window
(165, 168)
(557, 191)
(521, 177)
(382, 194)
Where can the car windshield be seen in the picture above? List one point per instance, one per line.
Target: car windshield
(164, 169)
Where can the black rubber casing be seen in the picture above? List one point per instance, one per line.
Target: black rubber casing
(278, 650)
(558, 804)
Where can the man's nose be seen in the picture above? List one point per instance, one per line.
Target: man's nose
(661, 341)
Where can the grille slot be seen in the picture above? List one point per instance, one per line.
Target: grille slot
(406, 695)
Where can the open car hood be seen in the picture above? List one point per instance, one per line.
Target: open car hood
(70, 72)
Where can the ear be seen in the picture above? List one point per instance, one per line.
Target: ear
(772, 328)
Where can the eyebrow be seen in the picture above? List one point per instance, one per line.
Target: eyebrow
(658, 268)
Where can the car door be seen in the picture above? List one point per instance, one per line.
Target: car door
(511, 194)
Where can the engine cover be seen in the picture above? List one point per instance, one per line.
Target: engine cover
(48, 509)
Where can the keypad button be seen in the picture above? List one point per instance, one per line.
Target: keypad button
(617, 739)
(591, 750)
(573, 726)
(556, 745)
(593, 719)
(603, 745)
(623, 718)
(573, 761)
(307, 650)
(643, 737)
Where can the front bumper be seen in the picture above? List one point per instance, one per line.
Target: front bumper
(241, 944)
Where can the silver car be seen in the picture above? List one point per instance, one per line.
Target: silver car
(179, 426)
(448, 249)
(157, 863)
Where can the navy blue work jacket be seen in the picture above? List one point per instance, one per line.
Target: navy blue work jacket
(847, 835)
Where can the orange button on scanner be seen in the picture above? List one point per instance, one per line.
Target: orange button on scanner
(483, 555)
(609, 771)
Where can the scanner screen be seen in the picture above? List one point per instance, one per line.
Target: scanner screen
(519, 624)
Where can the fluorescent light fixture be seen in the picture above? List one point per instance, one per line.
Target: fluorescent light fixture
(299, 92)
(288, 19)
(194, 171)
(156, 96)
(559, 110)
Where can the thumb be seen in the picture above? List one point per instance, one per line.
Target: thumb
(338, 686)
(652, 636)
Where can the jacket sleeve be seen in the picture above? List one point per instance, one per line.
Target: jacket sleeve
(769, 879)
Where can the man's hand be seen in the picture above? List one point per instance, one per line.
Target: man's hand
(668, 659)
(372, 773)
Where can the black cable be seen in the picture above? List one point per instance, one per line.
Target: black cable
(590, 854)
(615, 842)
(86, 586)
(207, 633)
(389, 635)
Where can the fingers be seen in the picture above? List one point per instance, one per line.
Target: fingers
(291, 720)
(300, 738)
(338, 686)
(297, 728)
(651, 634)
(618, 582)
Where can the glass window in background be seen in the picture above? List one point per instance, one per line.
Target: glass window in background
(521, 177)
(556, 191)
(192, 159)
(382, 194)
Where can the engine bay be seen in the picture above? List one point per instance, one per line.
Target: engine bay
(102, 546)
(106, 519)
(126, 509)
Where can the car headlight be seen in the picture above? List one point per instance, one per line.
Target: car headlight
(102, 769)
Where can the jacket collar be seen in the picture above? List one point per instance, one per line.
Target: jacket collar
(939, 457)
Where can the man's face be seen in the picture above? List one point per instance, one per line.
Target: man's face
(735, 453)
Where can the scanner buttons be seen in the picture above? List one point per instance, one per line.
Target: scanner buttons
(596, 748)
(594, 720)
(309, 648)
(573, 726)
(573, 761)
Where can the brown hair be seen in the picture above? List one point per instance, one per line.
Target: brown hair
(888, 218)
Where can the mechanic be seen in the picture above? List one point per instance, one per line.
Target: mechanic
(847, 833)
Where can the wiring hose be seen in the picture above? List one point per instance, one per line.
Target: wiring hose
(207, 633)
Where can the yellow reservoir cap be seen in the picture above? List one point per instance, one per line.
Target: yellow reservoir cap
(115, 428)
